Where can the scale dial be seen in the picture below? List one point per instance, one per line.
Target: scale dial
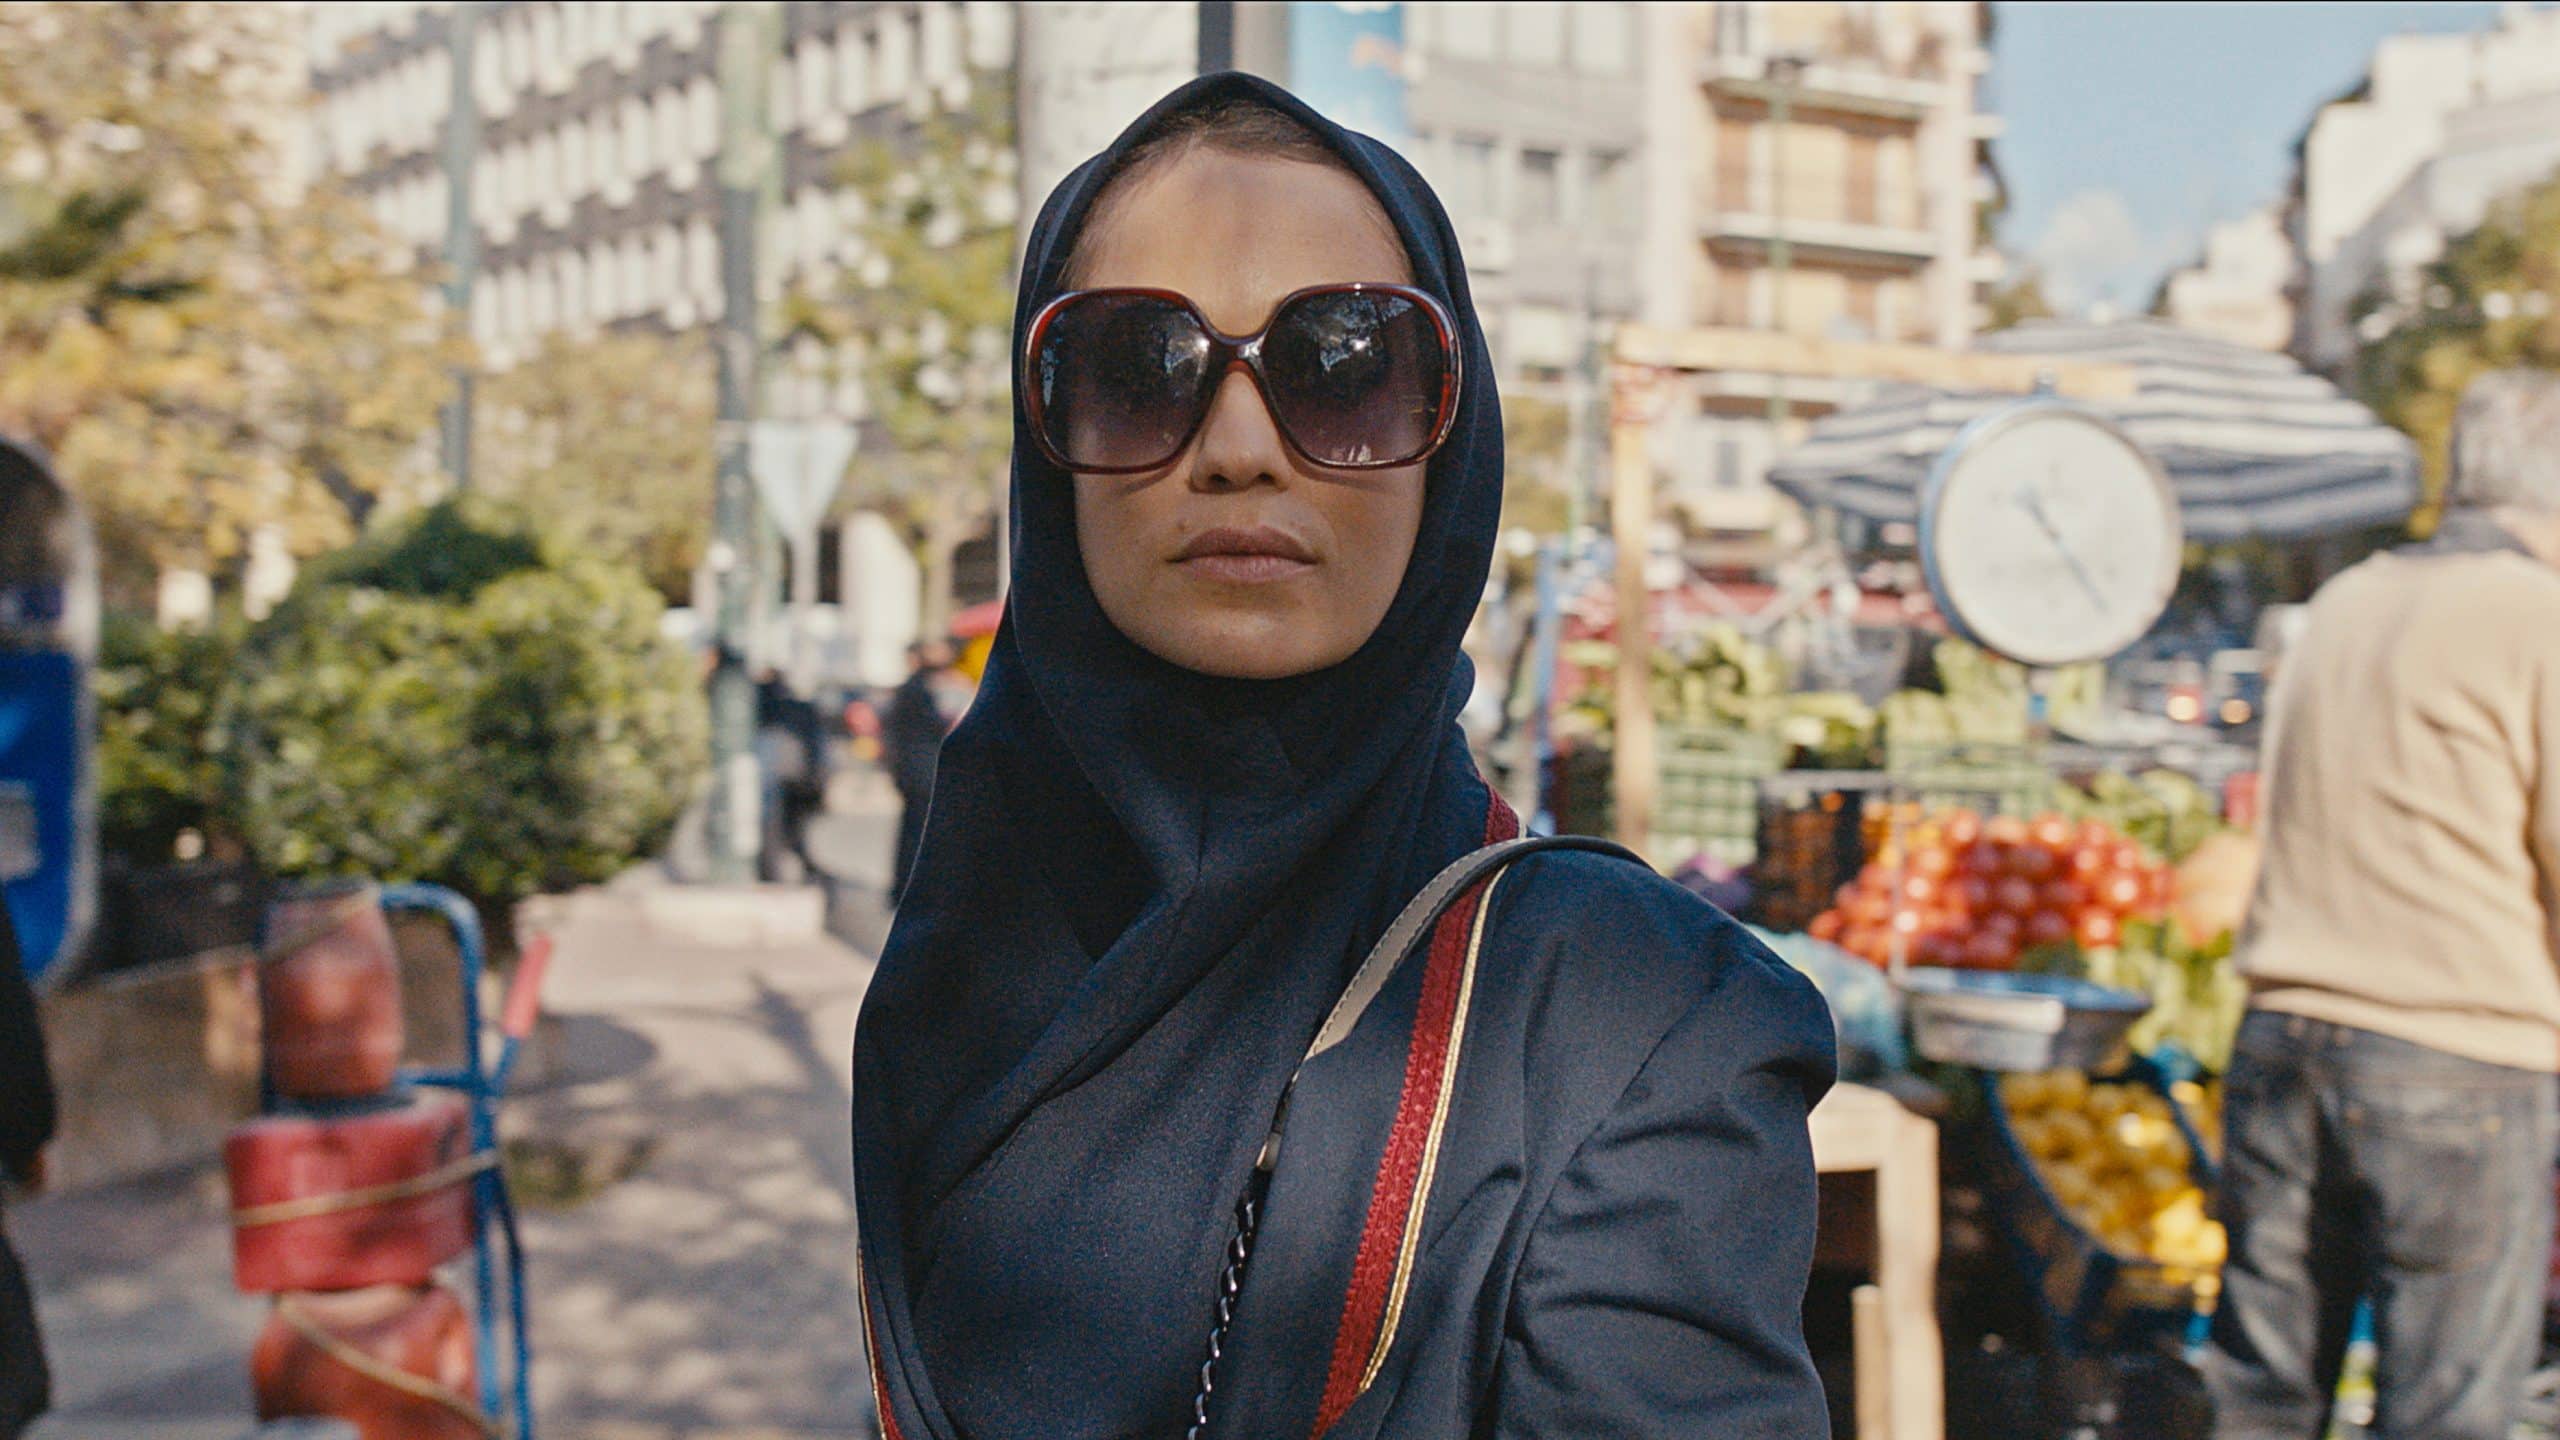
(2048, 536)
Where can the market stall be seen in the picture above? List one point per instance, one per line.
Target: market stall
(2021, 912)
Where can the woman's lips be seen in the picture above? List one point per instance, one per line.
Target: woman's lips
(1256, 555)
(1245, 569)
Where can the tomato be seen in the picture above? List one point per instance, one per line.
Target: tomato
(2098, 930)
(2007, 829)
(1990, 952)
(2160, 888)
(1982, 857)
(2032, 862)
(1906, 922)
(2126, 856)
(2063, 895)
(1868, 910)
(1922, 888)
(1841, 897)
(1935, 861)
(2097, 832)
(2121, 891)
(1826, 926)
(1875, 876)
(1941, 951)
(2003, 924)
(1963, 828)
(2088, 862)
(2049, 927)
(1861, 941)
(1971, 894)
(2015, 896)
(2051, 831)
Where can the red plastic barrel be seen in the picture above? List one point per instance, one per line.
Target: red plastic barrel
(396, 1361)
(342, 1202)
(329, 994)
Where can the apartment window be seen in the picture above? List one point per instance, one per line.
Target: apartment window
(550, 63)
(1733, 165)
(1728, 471)
(817, 79)
(853, 70)
(1465, 30)
(893, 56)
(938, 40)
(667, 279)
(1604, 38)
(1533, 34)
(1864, 293)
(702, 117)
(1609, 198)
(1471, 177)
(1541, 186)
(574, 173)
(1862, 177)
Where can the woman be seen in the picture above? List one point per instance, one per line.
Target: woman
(1215, 752)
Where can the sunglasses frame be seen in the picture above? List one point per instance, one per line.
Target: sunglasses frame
(1230, 353)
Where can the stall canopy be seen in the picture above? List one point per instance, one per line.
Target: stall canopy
(2254, 445)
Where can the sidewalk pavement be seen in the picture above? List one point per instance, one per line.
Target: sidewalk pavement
(690, 1250)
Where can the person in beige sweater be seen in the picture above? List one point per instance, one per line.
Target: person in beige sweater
(2391, 1103)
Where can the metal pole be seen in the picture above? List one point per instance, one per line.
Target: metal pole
(1781, 254)
(749, 33)
(461, 231)
(1584, 447)
(1634, 771)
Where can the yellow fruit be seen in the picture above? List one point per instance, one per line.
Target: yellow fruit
(2067, 1089)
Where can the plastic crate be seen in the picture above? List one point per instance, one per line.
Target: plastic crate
(2092, 1298)
(1999, 779)
(1707, 795)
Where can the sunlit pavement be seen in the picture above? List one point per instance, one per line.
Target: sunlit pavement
(706, 1294)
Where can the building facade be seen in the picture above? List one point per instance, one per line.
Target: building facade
(593, 185)
(2443, 126)
(2236, 292)
(1853, 141)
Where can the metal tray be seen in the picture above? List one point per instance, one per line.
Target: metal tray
(1998, 1020)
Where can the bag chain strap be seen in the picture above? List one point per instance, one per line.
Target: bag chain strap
(1230, 1285)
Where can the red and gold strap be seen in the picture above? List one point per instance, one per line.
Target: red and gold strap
(1383, 1266)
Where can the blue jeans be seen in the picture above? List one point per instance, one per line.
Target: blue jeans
(2360, 1166)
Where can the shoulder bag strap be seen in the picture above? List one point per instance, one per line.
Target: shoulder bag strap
(1419, 916)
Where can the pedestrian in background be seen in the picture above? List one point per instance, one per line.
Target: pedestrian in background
(910, 740)
(2390, 1105)
(791, 752)
(26, 1125)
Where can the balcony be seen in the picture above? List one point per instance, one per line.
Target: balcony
(1749, 231)
(1827, 85)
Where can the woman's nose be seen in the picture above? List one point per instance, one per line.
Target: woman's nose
(1239, 443)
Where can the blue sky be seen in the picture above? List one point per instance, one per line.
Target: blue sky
(2131, 127)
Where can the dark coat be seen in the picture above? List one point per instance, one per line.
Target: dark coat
(1141, 889)
(26, 1124)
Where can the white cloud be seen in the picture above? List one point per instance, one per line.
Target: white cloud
(2093, 249)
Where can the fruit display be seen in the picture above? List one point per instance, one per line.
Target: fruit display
(2196, 995)
(1961, 891)
(2113, 1155)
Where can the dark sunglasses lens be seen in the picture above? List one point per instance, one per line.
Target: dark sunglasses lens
(1357, 376)
(1122, 381)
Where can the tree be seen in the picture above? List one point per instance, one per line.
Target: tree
(926, 315)
(203, 350)
(2491, 301)
(609, 440)
(2020, 299)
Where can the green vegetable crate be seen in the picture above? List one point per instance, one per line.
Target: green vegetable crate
(1709, 797)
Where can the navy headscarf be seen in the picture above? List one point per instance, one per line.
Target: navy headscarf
(1140, 889)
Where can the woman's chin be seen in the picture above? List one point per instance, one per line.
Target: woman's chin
(1242, 647)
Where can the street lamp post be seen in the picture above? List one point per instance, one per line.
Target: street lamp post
(461, 230)
(749, 39)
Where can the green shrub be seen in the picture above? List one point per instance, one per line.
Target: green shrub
(462, 702)
(160, 739)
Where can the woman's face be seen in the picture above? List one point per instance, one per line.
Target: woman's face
(1324, 549)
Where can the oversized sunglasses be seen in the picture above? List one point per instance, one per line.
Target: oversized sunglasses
(1356, 377)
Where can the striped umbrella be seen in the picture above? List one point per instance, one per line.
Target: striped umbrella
(2254, 445)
